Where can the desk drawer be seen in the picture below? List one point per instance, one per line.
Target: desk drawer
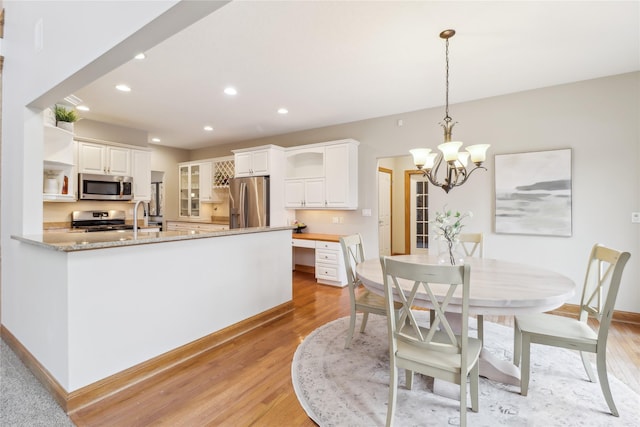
(301, 243)
(327, 257)
(328, 245)
(327, 272)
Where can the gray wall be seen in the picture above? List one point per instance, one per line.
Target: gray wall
(598, 119)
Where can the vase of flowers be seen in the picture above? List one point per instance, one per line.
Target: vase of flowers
(447, 227)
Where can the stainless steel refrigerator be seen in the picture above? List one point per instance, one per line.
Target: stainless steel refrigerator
(249, 202)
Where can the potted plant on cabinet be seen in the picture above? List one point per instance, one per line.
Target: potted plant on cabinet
(65, 118)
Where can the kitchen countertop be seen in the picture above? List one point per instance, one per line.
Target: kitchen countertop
(223, 220)
(317, 236)
(75, 241)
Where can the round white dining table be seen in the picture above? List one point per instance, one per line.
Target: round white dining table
(496, 288)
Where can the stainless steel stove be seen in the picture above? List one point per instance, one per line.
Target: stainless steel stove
(90, 221)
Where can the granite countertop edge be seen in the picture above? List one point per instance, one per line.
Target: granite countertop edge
(74, 242)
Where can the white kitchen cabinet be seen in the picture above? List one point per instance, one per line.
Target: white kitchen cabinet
(252, 163)
(304, 179)
(322, 176)
(304, 193)
(141, 173)
(103, 159)
(194, 187)
(330, 268)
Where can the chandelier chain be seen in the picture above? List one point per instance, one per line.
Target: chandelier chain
(447, 118)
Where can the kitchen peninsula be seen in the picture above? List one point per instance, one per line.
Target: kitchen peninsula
(117, 308)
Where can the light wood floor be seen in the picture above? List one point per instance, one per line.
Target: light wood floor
(248, 381)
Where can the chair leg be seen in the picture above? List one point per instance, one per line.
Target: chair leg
(474, 380)
(480, 322)
(524, 369)
(587, 366)
(408, 379)
(352, 326)
(365, 317)
(393, 384)
(463, 399)
(601, 363)
(517, 343)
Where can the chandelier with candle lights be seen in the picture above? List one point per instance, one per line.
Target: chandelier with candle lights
(456, 162)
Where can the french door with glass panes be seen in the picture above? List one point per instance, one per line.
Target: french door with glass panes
(418, 214)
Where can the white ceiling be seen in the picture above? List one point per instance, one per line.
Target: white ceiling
(337, 62)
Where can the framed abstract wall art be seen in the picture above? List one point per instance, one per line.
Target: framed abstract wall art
(533, 193)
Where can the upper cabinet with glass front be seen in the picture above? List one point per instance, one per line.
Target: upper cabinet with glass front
(195, 188)
(322, 176)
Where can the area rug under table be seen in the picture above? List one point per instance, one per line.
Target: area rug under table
(349, 387)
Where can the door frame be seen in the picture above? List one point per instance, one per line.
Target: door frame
(390, 172)
(407, 208)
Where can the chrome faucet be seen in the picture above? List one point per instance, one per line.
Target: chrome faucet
(135, 216)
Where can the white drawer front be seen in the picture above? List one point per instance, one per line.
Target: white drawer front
(327, 272)
(300, 243)
(327, 257)
(328, 245)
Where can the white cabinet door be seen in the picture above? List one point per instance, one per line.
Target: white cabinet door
(260, 162)
(341, 185)
(314, 196)
(141, 172)
(119, 161)
(294, 193)
(91, 158)
(206, 182)
(243, 164)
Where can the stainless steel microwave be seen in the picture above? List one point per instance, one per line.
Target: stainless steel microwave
(104, 187)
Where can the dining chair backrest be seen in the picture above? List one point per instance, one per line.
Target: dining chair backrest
(472, 244)
(353, 253)
(403, 280)
(604, 273)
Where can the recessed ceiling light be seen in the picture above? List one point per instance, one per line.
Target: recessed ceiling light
(283, 111)
(155, 139)
(141, 55)
(82, 108)
(230, 90)
(123, 88)
(208, 128)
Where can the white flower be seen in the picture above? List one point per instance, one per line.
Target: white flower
(448, 224)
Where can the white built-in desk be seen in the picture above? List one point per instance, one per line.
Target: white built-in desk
(328, 259)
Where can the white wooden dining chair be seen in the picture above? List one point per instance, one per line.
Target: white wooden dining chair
(360, 301)
(435, 351)
(604, 271)
(472, 244)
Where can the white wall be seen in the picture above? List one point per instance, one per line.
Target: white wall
(598, 119)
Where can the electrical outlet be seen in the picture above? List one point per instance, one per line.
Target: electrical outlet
(341, 220)
(335, 220)
(635, 216)
(366, 212)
